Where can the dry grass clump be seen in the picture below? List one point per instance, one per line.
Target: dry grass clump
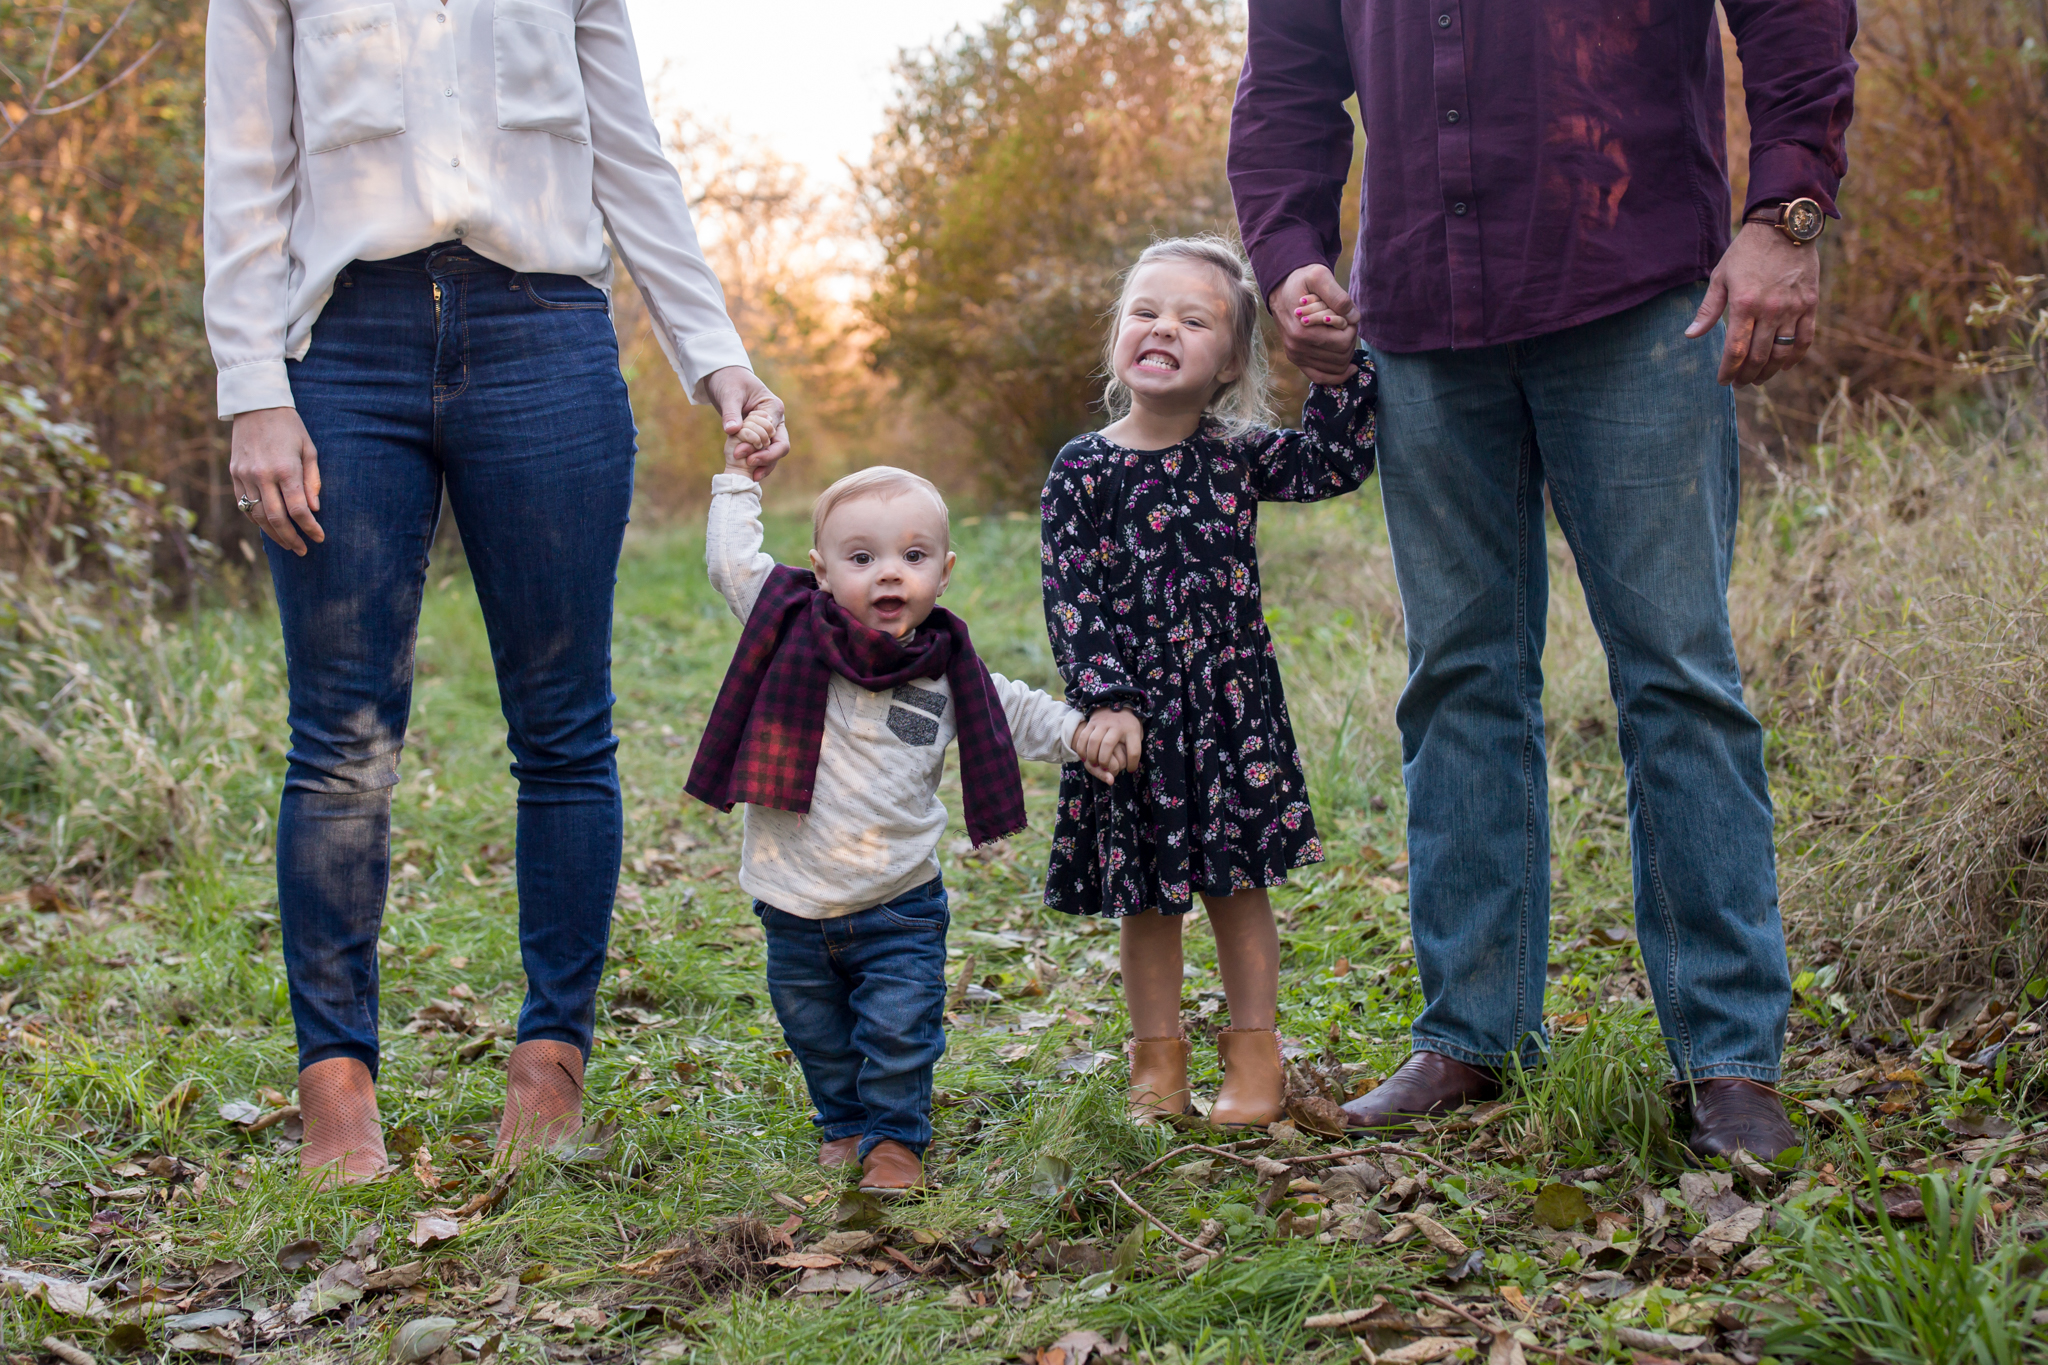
(1892, 603)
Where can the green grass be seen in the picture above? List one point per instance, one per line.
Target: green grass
(142, 982)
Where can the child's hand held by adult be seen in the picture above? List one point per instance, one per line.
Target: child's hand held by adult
(753, 420)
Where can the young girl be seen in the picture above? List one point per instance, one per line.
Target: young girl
(1152, 601)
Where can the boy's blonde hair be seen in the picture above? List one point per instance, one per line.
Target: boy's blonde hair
(878, 481)
(1239, 405)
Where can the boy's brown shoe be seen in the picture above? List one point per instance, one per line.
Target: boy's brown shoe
(891, 1170)
(839, 1152)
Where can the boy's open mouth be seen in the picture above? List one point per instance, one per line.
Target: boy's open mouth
(887, 606)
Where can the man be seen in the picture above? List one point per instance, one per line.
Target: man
(1547, 283)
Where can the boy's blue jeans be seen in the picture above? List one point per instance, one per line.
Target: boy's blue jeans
(1621, 420)
(442, 370)
(861, 999)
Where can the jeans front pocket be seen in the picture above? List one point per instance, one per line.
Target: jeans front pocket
(919, 909)
(540, 86)
(563, 292)
(351, 82)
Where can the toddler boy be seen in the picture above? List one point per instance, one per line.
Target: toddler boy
(832, 726)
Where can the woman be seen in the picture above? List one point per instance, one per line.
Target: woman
(407, 288)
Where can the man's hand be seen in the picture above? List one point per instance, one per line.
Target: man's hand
(1110, 742)
(271, 459)
(749, 410)
(1321, 351)
(1770, 290)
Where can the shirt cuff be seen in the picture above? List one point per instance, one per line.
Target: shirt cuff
(1789, 171)
(256, 384)
(728, 482)
(698, 357)
(1280, 255)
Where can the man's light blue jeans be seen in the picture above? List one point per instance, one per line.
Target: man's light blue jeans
(1622, 421)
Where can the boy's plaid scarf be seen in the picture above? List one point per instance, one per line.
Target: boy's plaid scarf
(761, 744)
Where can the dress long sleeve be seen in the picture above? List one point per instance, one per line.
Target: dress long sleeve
(1332, 452)
(1075, 543)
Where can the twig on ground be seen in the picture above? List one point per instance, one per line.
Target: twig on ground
(1147, 1215)
(1492, 1329)
(1224, 1150)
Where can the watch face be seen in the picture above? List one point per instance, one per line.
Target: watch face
(1803, 220)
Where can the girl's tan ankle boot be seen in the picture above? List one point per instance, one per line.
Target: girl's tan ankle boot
(1159, 1078)
(1253, 1089)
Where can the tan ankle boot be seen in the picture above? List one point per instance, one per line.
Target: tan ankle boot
(1253, 1089)
(1159, 1078)
(543, 1098)
(344, 1142)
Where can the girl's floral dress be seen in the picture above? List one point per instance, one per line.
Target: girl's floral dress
(1151, 578)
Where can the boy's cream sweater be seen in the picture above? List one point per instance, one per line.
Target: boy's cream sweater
(875, 819)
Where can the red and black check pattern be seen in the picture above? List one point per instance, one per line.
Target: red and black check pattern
(761, 744)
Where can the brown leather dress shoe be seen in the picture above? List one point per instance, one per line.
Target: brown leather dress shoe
(891, 1170)
(1729, 1112)
(839, 1152)
(1428, 1083)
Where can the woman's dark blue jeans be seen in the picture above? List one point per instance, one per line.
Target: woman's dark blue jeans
(862, 1000)
(441, 369)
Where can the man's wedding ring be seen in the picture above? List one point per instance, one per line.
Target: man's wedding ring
(246, 503)
(1786, 341)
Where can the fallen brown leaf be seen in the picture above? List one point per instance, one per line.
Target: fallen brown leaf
(803, 1260)
(395, 1277)
(430, 1230)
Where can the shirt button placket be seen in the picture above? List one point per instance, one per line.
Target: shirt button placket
(1465, 273)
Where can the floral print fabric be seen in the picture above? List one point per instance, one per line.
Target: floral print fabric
(1150, 564)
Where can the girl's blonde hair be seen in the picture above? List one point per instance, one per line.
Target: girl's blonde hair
(877, 481)
(1241, 404)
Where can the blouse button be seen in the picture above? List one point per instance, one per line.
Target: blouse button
(442, 19)
(457, 161)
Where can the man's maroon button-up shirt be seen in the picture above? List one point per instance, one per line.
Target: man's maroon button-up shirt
(1530, 164)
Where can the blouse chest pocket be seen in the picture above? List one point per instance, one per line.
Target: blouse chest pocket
(540, 86)
(351, 78)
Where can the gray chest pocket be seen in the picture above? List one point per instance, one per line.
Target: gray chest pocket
(914, 715)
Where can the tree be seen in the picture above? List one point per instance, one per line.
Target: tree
(1023, 166)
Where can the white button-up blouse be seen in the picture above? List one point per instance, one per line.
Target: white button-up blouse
(338, 131)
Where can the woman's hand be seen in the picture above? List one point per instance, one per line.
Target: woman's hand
(750, 413)
(276, 476)
(1110, 742)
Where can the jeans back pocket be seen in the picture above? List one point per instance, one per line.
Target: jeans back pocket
(350, 75)
(540, 86)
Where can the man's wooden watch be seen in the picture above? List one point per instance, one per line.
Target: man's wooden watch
(1801, 220)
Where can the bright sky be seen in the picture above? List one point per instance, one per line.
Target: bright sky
(809, 78)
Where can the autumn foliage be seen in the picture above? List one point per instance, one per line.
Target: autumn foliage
(944, 312)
